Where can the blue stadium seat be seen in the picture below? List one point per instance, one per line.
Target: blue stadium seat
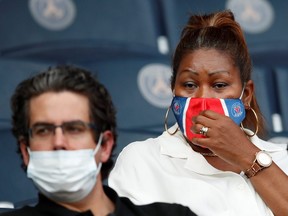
(2, 210)
(282, 93)
(12, 72)
(177, 12)
(270, 46)
(266, 95)
(250, 14)
(140, 89)
(97, 29)
(15, 187)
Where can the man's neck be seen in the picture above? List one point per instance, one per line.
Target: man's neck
(97, 202)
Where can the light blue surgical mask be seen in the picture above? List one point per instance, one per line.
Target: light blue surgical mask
(64, 175)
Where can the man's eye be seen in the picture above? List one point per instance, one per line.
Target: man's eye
(74, 129)
(42, 131)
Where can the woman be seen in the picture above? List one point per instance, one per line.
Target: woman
(208, 161)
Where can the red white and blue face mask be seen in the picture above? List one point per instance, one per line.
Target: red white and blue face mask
(185, 108)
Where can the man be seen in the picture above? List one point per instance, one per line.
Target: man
(64, 121)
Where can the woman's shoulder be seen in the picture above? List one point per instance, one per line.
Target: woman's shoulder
(153, 144)
(278, 151)
(144, 146)
(269, 145)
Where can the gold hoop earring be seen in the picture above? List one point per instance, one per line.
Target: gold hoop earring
(165, 122)
(257, 126)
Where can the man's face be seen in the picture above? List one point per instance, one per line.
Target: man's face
(66, 109)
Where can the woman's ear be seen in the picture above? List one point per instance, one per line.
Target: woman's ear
(24, 151)
(248, 93)
(107, 146)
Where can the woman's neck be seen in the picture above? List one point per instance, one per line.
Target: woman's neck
(213, 159)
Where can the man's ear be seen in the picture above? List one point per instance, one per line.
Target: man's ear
(107, 146)
(24, 151)
(248, 93)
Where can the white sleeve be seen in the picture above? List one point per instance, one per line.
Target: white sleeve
(124, 177)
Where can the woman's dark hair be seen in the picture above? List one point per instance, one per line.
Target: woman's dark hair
(221, 32)
(65, 78)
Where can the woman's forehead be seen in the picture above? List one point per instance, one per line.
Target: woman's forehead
(210, 60)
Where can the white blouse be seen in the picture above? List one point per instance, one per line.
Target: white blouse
(166, 169)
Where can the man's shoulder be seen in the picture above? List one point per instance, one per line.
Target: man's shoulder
(158, 208)
(125, 207)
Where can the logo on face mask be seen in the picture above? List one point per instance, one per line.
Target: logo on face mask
(185, 108)
(236, 109)
(177, 108)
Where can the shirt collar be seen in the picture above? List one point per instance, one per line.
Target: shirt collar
(53, 208)
(50, 207)
(175, 146)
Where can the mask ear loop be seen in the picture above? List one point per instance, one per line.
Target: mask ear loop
(98, 143)
(242, 92)
(96, 150)
(257, 126)
(165, 123)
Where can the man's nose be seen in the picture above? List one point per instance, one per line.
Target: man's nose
(59, 139)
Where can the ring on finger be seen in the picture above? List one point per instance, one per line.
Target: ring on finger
(204, 131)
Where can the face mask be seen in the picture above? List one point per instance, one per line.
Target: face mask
(185, 108)
(64, 176)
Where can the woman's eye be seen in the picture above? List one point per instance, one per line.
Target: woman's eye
(220, 85)
(190, 85)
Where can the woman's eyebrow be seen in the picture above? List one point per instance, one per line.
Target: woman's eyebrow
(210, 73)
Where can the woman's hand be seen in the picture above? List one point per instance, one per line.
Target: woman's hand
(224, 138)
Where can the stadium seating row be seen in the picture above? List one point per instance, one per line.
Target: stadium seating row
(93, 29)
